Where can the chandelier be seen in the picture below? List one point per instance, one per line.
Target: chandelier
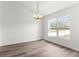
(37, 16)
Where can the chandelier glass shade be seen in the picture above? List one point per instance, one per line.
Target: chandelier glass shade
(38, 17)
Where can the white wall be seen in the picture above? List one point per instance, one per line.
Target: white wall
(0, 24)
(74, 41)
(17, 24)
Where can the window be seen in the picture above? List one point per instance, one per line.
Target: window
(59, 26)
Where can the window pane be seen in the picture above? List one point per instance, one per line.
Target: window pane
(64, 26)
(52, 27)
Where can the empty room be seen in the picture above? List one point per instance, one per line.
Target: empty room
(39, 28)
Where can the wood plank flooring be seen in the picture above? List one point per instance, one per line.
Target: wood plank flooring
(38, 48)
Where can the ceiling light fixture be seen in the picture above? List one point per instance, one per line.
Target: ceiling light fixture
(37, 16)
